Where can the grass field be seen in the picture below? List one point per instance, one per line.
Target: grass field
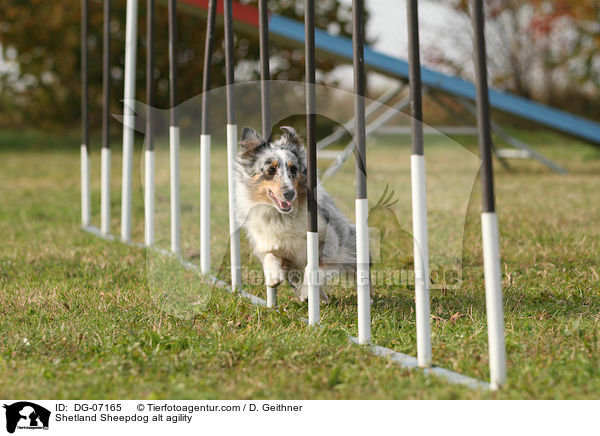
(82, 317)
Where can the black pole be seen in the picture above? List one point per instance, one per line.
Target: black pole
(483, 108)
(173, 60)
(84, 75)
(150, 73)
(105, 76)
(208, 51)
(359, 97)
(229, 62)
(265, 75)
(414, 61)
(311, 139)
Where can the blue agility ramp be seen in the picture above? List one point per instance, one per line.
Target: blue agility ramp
(342, 47)
(291, 31)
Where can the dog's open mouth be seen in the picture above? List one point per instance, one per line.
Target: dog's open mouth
(284, 206)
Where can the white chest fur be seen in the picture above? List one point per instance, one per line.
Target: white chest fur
(284, 235)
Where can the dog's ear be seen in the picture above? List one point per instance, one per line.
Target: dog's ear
(250, 139)
(290, 136)
(250, 144)
(296, 146)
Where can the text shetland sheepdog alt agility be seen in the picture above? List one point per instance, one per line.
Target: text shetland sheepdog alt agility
(272, 207)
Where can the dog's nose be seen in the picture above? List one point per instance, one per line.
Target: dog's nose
(289, 195)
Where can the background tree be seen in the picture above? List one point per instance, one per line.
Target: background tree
(548, 50)
(40, 44)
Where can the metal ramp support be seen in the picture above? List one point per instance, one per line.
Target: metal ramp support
(349, 125)
(522, 150)
(389, 113)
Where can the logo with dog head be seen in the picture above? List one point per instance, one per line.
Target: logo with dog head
(26, 415)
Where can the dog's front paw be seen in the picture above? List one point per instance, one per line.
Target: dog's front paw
(274, 278)
(274, 274)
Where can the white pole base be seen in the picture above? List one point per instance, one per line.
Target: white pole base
(271, 297)
(85, 187)
(127, 183)
(149, 198)
(363, 285)
(105, 191)
(175, 191)
(311, 277)
(234, 231)
(421, 260)
(493, 299)
(205, 204)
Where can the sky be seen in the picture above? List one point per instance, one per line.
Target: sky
(388, 25)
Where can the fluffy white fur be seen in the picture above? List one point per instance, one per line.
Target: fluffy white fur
(278, 238)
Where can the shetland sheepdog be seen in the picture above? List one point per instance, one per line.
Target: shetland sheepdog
(271, 191)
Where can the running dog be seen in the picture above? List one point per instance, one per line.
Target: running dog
(271, 191)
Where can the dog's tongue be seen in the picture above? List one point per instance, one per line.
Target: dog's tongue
(283, 205)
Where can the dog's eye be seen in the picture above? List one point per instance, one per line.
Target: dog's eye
(293, 170)
(272, 171)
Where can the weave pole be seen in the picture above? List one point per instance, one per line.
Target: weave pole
(265, 73)
(489, 219)
(85, 125)
(265, 96)
(311, 275)
(205, 143)
(105, 155)
(149, 160)
(128, 113)
(419, 199)
(234, 231)
(363, 285)
(174, 132)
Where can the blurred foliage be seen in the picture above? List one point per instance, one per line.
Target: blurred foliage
(548, 50)
(40, 42)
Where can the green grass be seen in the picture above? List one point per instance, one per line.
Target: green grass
(83, 317)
